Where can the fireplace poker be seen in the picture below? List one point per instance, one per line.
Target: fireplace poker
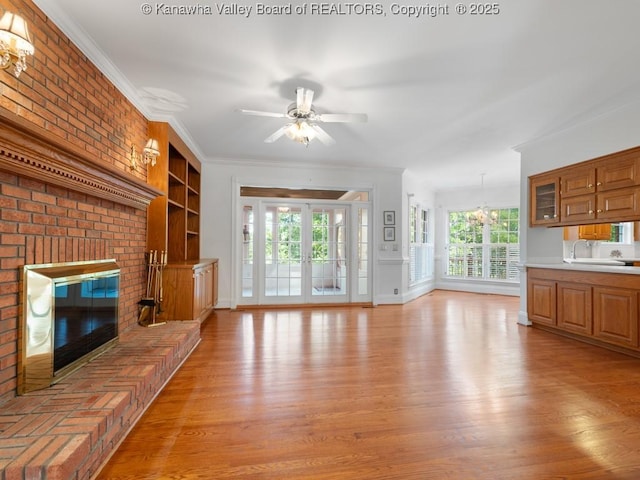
(151, 303)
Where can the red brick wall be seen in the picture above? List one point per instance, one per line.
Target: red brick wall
(65, 94)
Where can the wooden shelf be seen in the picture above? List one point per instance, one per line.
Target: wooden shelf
(174, 220)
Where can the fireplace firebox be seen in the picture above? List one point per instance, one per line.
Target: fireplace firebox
(70, 315)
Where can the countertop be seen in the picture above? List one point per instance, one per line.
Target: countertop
(587, 267)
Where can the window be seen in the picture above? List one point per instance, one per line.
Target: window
(484, 246)
(420, 250)
(622, 233)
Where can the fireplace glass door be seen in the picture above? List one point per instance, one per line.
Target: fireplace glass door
(85, 318)
(70, 315)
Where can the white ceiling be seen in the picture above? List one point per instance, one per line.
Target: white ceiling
(448, 97)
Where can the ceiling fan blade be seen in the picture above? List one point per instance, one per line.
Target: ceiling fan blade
(299, 97)
(277, 134)
(262, 114)
(304, 105)
(323, 136)
(342, 117)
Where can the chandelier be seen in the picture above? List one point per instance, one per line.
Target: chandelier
(15, 43)
(483, 215)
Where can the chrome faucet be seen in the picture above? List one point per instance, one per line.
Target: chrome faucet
(573, 247)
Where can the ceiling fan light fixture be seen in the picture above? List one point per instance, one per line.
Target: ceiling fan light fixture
(300, 132)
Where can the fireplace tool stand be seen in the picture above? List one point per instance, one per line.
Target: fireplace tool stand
(151, 304)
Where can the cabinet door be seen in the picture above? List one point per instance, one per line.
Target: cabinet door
(214, 286)
(544, 193)
(618, 173)
(208, 287)
(598, 231)
(198, 292)
(615, 315)
(578, 181)
(541, 301)
(578, 209)
(574, 308)
(618, 204)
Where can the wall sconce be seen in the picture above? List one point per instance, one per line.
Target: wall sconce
(149, 154)
(15, 43)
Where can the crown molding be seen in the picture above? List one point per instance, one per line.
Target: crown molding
(101, 61)
(29, 151)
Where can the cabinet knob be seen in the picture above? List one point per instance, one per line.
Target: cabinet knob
(599, 211)
(590, 212)
(599, 183)
(590, 185)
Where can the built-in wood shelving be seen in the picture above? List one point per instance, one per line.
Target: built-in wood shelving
(174, 219)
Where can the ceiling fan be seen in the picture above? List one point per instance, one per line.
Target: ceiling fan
(303, 126)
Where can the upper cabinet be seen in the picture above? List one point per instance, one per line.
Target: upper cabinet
(545, 199)
(174, 218)
(599, 190)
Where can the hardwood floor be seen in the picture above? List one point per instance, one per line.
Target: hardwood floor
(446, 387)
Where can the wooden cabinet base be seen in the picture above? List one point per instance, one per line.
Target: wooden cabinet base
(593, 307)
(189, 290)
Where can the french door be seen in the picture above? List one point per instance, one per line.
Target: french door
(303, 253)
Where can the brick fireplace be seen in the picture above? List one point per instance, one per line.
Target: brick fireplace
(67, 194)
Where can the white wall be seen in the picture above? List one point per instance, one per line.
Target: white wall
(221, 178)
(609, 133)
(495, 196)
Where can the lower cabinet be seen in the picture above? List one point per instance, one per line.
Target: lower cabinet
(615, 315)
(190, 290)
(541, 301)
(600, 307)
(574, 308)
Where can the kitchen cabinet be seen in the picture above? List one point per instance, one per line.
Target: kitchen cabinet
(620, 205)
(189, 290)
(574, 307)
(615, 315)
(577, 181)
(597, 231)
(578, 209)
(615, 205)
(618, 171)
(596, 307)
(604, 189)
(541, 300)
(544, 200)
(609, 173)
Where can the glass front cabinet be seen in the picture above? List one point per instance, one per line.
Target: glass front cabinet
(545, 200)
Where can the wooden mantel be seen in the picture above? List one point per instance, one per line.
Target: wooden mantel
(30, 151)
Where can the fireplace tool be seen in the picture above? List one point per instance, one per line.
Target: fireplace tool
(152, 302)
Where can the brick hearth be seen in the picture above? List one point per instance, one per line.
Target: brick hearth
(68, 431)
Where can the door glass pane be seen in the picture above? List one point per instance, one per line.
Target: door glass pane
(283, 252)
(363, 251)
(247, 251)
(328, 259)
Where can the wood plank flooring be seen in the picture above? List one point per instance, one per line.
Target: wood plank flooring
(446, 387)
